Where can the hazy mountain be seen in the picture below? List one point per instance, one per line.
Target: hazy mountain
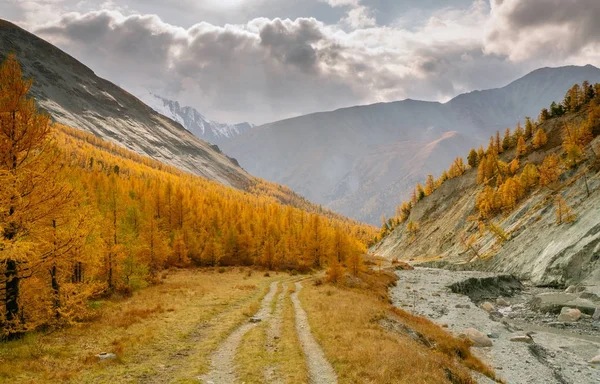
(75, 96)
(194, 121)
(362, 161)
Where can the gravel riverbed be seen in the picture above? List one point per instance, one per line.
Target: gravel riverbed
(558, 352)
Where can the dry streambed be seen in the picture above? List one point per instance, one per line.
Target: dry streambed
(542, 351)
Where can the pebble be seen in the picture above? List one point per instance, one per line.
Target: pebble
(488, 307)
(255, 320)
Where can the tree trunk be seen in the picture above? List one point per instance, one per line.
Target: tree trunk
(12, 297)
(55, 291)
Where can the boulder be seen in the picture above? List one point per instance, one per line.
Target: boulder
(479, 339)
(571, 289)
(569, 315)
(501, 302)
(488, 307)
(596, 315)
(595, 360)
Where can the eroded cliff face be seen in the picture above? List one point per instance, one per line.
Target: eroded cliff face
(537, 249)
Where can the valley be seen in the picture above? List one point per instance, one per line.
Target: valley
(239, 325)
(357, 235)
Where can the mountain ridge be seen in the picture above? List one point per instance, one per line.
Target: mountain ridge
(73, 94)
(316, 154)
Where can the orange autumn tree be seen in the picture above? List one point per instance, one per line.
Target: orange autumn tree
(540, 139)
(39, 226)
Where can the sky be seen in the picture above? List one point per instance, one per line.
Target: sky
(266, 60)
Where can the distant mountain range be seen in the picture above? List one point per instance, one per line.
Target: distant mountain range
(75, 96)
(211, 131)
(362, 161)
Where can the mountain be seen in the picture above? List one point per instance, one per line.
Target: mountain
(211, 131)
(76, 97)
(362, 160)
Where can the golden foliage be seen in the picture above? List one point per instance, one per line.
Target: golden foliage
(550, 170)
(79, 215)
(540, 139)
(564, 213)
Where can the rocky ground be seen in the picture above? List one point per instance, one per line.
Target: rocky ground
(520, 333)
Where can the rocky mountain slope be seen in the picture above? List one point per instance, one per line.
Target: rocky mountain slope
(192, 120)
(360, 161)
(530, 243)
(75, 96)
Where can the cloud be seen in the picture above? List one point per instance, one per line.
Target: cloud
(547, 29)
(269, 69)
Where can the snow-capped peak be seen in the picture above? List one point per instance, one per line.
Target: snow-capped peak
(194, 121)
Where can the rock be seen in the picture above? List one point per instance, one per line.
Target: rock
(501, 302)
(595, 360)
(488, 307)
(493, 335)
(255, 320)
(106, 356)
(596, 315)
(571, 289)
(465, 306)
(522, 339)
(569, 315)
(479, 339)
(557, 324)
(596, 325)
(496, 316)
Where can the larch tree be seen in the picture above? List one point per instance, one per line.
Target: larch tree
(473, 159)
(550, 170)
(564, 213)
(37, 230)
(429, 185)
(529, 176)
(498, 143)
(528, 128)
(521, 147)
(540, 139)
(507, 141)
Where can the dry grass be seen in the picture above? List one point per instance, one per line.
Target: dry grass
(350, 325)
(165, 331)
